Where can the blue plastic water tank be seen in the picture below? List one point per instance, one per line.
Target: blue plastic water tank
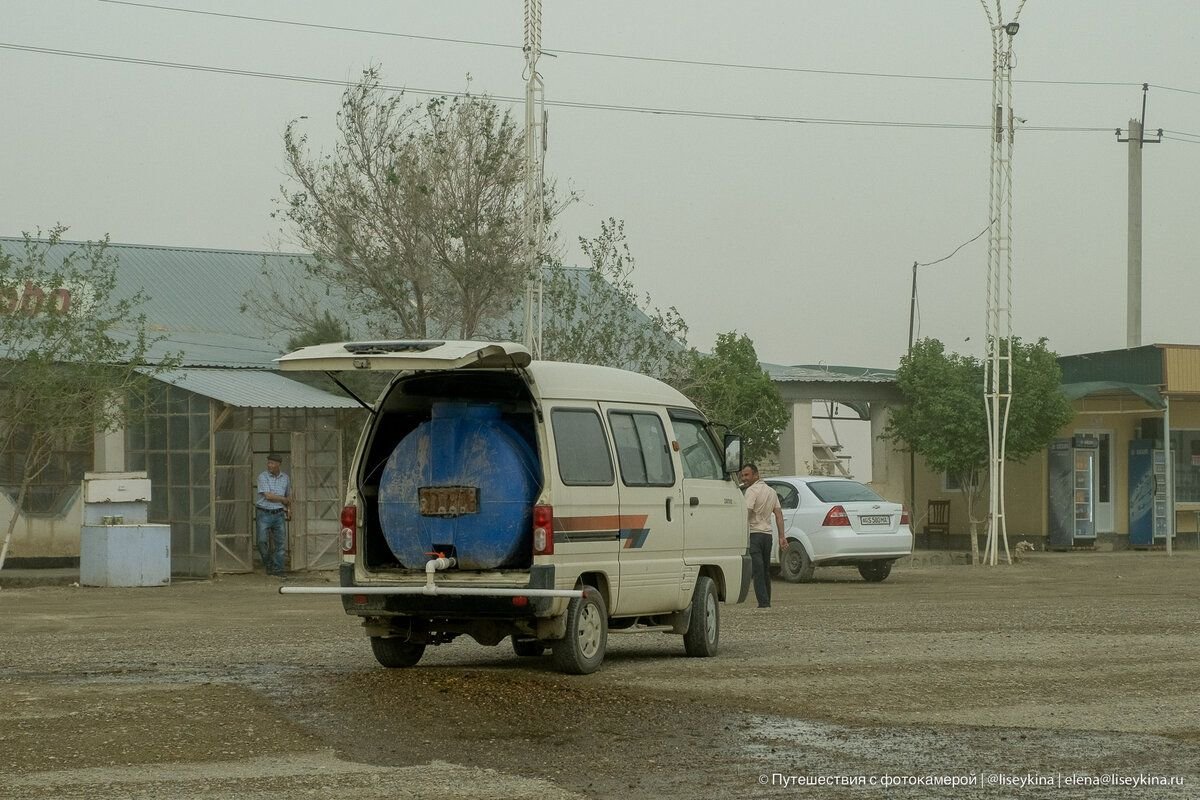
(462, 445)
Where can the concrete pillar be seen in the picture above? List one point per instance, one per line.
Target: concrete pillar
(109, 446)
(889, 466)
(796, 443)
(110, 451)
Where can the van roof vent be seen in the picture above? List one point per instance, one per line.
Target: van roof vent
(379, 348)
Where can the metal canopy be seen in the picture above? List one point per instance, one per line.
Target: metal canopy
(1077, 391)
(252, 388)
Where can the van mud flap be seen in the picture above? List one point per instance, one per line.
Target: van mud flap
(747, 574)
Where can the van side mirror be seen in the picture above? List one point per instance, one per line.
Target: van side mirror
(733, 452)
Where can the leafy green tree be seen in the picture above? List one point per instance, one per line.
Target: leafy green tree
(70, 348)
(944, 419)
(595, 315)
(731, 388)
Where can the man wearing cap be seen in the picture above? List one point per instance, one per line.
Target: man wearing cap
(272, 510)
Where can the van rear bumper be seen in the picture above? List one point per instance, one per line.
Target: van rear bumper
(541, 576)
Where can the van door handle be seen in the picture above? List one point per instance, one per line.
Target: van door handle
(693, 501)
(668, 509)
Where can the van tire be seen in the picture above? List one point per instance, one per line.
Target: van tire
(875, 571)
(703, 637)
(395, 653)
(527, 647)
(795, 565)
(582, 650)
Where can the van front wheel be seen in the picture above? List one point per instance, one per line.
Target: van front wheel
(395, 652)
(582, 650)
(704, 630)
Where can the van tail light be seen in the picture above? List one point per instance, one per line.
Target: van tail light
(837, 518)
(349, 530)
(543, 530)
(904, 515)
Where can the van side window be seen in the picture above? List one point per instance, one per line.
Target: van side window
(582, 448)
(642, 449)
(696, 449)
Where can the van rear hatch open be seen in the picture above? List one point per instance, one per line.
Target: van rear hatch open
(398, 355)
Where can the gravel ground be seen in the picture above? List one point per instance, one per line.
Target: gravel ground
(1063, 665)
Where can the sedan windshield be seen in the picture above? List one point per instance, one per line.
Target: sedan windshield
(842, 492)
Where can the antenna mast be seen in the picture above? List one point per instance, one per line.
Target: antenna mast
(998, 389)
(535, 147)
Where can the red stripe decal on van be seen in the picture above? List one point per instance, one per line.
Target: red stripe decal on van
(630, 529)
(602, 523)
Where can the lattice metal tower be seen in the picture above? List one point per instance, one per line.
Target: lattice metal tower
(535, 147)
(998, 389)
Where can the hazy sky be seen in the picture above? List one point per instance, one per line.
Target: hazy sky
(800, 234)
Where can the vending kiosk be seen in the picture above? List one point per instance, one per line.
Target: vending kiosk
(1147, 493)
(1071, 493)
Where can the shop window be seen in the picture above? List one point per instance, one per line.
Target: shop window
(1185, 453)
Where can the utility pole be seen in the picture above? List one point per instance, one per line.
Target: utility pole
(997, 389)
(912, 455)
(1133, 293)
(1133, 299)
(535, 148)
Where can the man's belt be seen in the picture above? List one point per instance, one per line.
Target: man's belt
(270, 510)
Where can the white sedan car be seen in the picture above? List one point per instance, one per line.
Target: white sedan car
(835, 522)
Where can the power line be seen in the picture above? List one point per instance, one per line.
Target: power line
(618, 56)
(1173, 89)
(652, 110)
(955, 250)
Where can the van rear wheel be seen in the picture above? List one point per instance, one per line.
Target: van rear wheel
(704, 631)
(582, 650)
(395, 653)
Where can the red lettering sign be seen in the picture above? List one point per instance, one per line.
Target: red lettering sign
(33, 299)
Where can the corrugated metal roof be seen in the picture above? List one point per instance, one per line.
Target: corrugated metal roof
(253, 388)
(196, 295)
(195, 298)
(821, 373)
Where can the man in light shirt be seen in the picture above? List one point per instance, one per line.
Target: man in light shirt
(272, 511)
(761, 504)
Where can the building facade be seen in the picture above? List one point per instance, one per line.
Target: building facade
(1126, 477)
(201, 432)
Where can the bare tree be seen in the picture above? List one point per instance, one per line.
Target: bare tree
(416, 214)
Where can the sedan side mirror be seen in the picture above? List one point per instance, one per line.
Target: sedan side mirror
(733, 452)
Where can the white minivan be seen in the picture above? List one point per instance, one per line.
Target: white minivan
(549, 503)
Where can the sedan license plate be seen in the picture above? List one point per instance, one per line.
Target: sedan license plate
(879, 519)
